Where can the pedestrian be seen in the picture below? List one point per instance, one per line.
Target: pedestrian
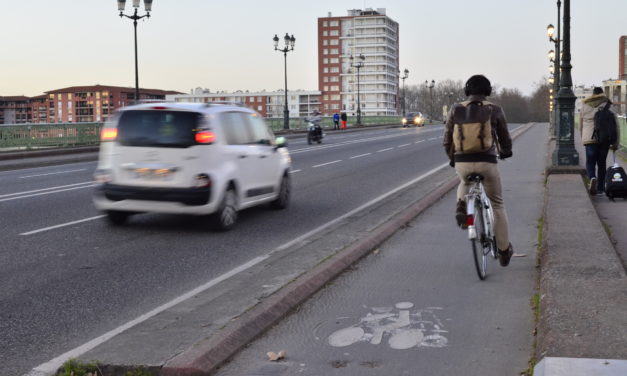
(596, 150)
(344, 119)
(336, 121)
(475, 133)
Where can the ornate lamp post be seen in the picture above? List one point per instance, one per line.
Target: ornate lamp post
(135, 17)
(289, 46)
(565, 153)
(405, 75)
(358, 65)
(430, 87)
(550, 31)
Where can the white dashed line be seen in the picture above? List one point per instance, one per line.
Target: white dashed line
(52, 173)
(62, 225)
(325, 164)
(432, 138)
(295, 171)
(382, 150)
(402, 146)
(360, 155)
(417, 142)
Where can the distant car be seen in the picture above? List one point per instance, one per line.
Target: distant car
(413, 118)
(190, 158)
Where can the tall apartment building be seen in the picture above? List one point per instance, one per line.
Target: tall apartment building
(365, 32)
(622, 58)
(268, 103)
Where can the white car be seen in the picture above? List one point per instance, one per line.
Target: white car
(190, 158)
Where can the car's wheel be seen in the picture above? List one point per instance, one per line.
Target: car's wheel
(117, 218)
(225, 217)
(283, 199)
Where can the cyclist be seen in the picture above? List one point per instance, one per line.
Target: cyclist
(477, 88)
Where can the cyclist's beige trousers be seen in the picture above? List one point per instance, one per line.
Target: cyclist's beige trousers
(492, 184)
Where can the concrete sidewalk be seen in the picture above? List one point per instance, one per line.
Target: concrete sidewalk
(583, 286)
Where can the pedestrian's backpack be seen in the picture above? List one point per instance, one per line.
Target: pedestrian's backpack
(472, 130)
(615, 182)
(605, 126)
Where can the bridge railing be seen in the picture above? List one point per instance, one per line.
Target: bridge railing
(35, 136)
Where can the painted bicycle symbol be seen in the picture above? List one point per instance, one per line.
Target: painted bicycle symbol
(404, 329)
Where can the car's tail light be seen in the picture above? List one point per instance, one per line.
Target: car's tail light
(470, 220)
(205, 137)
(159, 108)
(108, 134)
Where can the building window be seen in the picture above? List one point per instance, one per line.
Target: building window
(334, 42)
(333, 23)
(335, 69)
(325, 24)
(325, 52)
(325, 33)
(334, 51)
(334, 33)
(259, 108)
(334, 60)
(325, 88)
(325, 79)
(325, 70)
(325, 61)
(325, 42)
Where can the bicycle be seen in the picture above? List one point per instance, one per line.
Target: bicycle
(480, 221)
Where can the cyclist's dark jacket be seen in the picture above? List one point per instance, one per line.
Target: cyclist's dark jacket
(499, 124)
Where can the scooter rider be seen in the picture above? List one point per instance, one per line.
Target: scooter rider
(315, 119)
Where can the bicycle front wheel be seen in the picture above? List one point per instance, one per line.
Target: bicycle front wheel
(478, 243)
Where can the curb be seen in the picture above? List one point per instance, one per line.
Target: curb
(205, 357)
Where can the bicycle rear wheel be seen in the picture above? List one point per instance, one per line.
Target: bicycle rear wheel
(479, 251)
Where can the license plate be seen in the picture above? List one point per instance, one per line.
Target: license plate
(159, 174)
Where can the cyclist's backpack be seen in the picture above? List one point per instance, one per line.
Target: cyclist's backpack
(615, 182)
(472, 130)
(605, 126)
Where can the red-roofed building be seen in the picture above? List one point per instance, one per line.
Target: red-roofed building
(75, 104)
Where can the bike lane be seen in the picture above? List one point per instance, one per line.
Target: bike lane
(415, 306)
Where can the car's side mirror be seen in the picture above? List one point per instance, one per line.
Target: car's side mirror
(281, 142)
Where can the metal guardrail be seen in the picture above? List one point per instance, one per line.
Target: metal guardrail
(37, 136)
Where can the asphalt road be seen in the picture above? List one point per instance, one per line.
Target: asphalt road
(68, 277)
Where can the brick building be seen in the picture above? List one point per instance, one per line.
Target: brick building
(365, 32)
(268, 103)
(75, 104)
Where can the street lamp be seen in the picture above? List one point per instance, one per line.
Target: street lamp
(358, 65)
(555, 58)
(430, 87)
(405, 75)
(289, 46)
(135, 17)
(565, 153)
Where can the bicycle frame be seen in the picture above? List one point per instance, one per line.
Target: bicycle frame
(488, 215)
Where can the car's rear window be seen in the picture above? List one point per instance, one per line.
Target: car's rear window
(174, 129)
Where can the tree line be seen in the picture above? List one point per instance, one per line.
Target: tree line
(519, 108)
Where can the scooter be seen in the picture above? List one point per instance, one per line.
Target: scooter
(314, 133)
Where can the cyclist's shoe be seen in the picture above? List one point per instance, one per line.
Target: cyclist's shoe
(593, 186)
(460, 214)
(506, 255)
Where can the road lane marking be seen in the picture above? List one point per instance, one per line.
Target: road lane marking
(417, 142)
(45, 189)
(325, 164)
(402, 146)
(432, 138)
(52, 173)
(382, 150)
(50, 367)
(294, 171)
(62, 225)
(360, 155)
(46, 193)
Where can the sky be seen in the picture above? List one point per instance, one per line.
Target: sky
(227, 45)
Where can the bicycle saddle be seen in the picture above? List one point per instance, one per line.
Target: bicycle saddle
(474, 177)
